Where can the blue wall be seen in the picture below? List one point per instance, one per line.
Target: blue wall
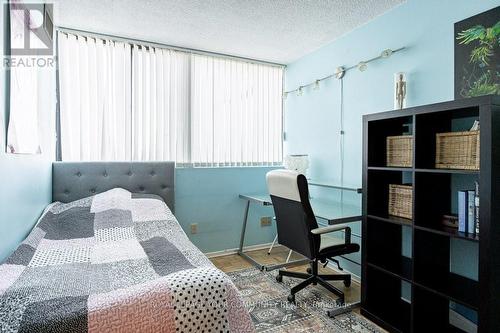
(312, 120)
(25, 179)
(209, 197)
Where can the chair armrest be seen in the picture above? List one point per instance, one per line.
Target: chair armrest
(330, 228)
(333, 228)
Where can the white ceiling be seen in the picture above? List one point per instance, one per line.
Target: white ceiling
(273, 30)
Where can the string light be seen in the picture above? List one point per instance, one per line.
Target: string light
(299, 92)
(340, 72)
(362, 66)
(386, 53)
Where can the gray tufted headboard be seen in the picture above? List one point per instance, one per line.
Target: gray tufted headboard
(75, 180)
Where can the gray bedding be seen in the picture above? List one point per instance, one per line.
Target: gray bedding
(115, 262)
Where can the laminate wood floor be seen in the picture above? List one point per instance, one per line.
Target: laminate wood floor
(234, 262)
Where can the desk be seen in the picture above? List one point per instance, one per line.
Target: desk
(334, 212)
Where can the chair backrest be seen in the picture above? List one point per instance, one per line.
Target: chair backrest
(294, 215)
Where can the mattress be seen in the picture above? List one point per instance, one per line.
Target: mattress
(115, 262)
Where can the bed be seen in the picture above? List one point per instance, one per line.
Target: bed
(108, 255)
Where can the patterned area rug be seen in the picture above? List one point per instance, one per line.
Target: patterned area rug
(266, 300)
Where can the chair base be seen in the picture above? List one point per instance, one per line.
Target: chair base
(315, 278)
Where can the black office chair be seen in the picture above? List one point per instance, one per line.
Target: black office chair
(298, 230)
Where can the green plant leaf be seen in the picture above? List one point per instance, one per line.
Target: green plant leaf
(484, 86)
(481, 54)
(496, 32)
(477, 32)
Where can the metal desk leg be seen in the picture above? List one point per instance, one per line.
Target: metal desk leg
(342, 309)
(252, 261)
(242, 240)
(243, 229)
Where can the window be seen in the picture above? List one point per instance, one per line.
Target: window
(23, 136)
(160, 104)
(95, 99)
(236, 112)
(121, 101)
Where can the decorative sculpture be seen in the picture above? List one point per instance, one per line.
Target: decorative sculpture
(400, 90)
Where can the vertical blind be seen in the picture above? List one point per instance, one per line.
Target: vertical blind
(160, 104)
(95, 98)
(236, 112)
(121, 101)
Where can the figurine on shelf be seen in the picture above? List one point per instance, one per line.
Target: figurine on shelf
(400, 90)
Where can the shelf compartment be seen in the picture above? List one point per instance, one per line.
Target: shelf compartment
(436, 194)
(391, 219)
(431, 312)
(385, 305)
(451, 232)
(388, 255)
(431, 258)
(378, 190)
(378, 132)
(427, 125)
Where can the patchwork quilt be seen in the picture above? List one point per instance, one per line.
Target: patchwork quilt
(115, 262)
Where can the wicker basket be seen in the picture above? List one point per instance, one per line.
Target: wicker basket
(457, 150)
(401, 201)
(399, 151)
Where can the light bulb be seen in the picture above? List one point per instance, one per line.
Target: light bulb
(386, 53)
(316, 85)
(362, 66)
(299, 92)
(339, 72)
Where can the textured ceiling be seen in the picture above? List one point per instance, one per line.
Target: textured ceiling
(273, 30)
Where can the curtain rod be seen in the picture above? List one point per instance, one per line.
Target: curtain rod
(161, 45)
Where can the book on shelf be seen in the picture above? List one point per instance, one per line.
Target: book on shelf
(468, 211)
(476, 208)
(463, 213)
(471, 213)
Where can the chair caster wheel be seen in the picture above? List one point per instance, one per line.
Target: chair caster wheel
(279, 278)
(291, 298)
(347, 283)
(309, 270)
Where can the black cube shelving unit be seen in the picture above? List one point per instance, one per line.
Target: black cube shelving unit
(427, 269)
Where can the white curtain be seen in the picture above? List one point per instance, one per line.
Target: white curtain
(23, 133)
(236, 112)
(95, 98)
(134, 102)
(160, 104)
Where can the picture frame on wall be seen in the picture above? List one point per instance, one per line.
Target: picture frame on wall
(477, 55)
